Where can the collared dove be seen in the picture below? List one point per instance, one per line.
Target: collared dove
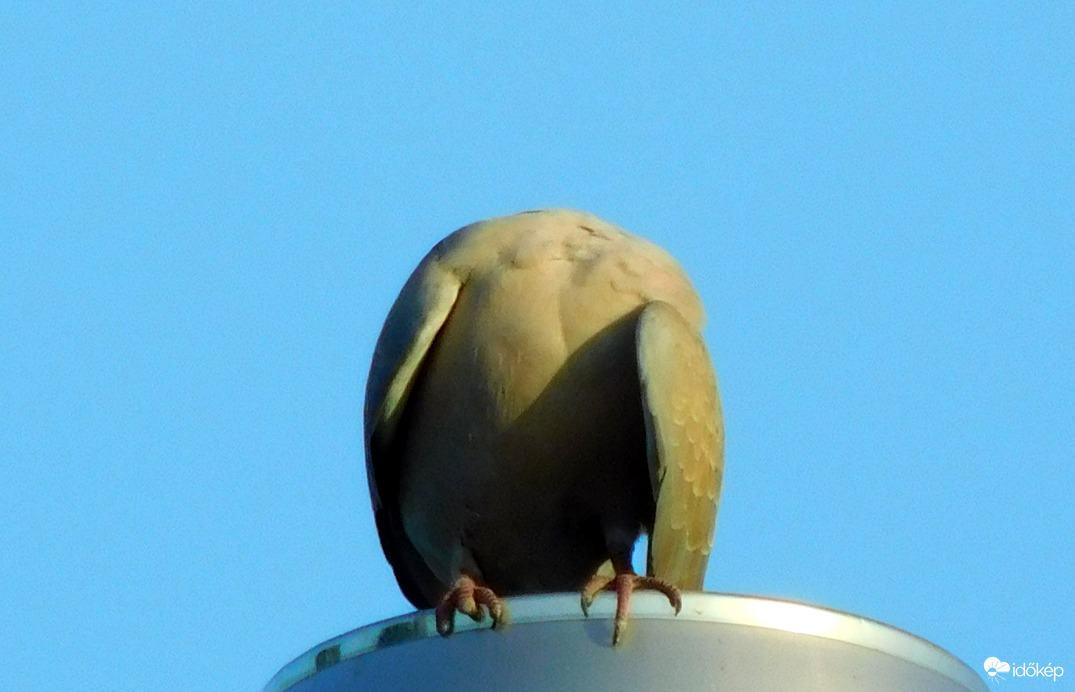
(539, 396)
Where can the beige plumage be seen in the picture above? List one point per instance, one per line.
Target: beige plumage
(539, 395)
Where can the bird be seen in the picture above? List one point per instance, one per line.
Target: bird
(540, 396)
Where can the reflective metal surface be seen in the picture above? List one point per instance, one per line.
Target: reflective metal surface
(718, 642)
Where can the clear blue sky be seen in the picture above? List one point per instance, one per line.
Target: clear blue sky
(207, 209)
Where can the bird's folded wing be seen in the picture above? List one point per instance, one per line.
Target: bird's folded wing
(409, 332)
(685, 443)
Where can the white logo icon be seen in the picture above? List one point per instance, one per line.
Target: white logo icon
(993, 666)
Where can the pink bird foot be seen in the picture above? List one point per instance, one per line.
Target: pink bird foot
(624, 584)
(471, 599)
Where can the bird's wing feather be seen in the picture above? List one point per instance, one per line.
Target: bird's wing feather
(412, 326)
(685, 443)
(413, 323)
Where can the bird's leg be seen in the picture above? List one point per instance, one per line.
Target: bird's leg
(468, 597)
(624, 584)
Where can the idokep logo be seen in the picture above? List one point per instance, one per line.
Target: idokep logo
(994, 667)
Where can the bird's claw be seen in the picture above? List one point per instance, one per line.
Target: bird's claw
(594, 586)
(624, 584)
(472, 600)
